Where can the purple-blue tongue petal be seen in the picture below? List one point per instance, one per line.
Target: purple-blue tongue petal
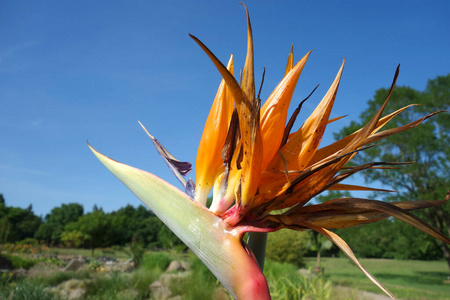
(178, 168)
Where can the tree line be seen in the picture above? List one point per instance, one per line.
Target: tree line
(68, 226)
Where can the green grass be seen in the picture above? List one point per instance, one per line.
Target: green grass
(156, 260)
(285, 282)
(188, 287)
(405, 279)
(55, 278)
(26, 291)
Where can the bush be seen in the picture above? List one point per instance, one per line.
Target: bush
(137, 253)
(55, 278)
(156, 260)
(107, 286)
(286, 283)
(288, 246)
(19, 262)
(28, 241)
(73, 239)
(26, 291)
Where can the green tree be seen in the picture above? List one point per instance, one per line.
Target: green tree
(167, 239)
(127, 223)
(95, 226)
(54, 224)
(426, 145)
(147, 233)
(17, 223)
(73, 239)
(288, 246)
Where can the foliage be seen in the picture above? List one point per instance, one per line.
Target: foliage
(107, 286)
(95, 227)
(19, 262)
(6, 278)
(29, 241)
(391, 239)
(186, 287)
(286, 283)
(55, 278)
(288, 246)
(137, 253)
(167, 239)
(51, 230)
(156, 260)
(26, 291)
(73, 239)
(17, 223)
(68, 225)
(409, 279)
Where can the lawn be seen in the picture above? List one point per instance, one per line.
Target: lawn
(405, 279)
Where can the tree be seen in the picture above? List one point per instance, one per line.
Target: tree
(73, 239)
(288, 246)
(127, 222)
(426, 145)
(17, 223)
(147, 233)
(95, 226)
(54, 224)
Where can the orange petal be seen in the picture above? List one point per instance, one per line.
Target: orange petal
(290, 61)
(274, 112)
(248, 112)
(248, 78)
(302, 144)
(249, 124)
(209, 155)
(368, 129)
(340, 144)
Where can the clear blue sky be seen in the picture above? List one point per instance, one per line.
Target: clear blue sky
(72, 71)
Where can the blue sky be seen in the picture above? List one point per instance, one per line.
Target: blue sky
(72, 71)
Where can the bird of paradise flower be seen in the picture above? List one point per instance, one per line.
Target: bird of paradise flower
(263, 177)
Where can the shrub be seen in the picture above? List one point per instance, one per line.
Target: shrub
(28, 241)
(73, 239)
(288, 246)
(55, 278)
(286, 283)
(26, 291)
(107, 286)
(19, 262)
(156, 260)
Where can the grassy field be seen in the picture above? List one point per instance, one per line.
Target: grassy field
(406, 279)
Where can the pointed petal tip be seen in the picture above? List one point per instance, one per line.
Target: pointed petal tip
(146, 131)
